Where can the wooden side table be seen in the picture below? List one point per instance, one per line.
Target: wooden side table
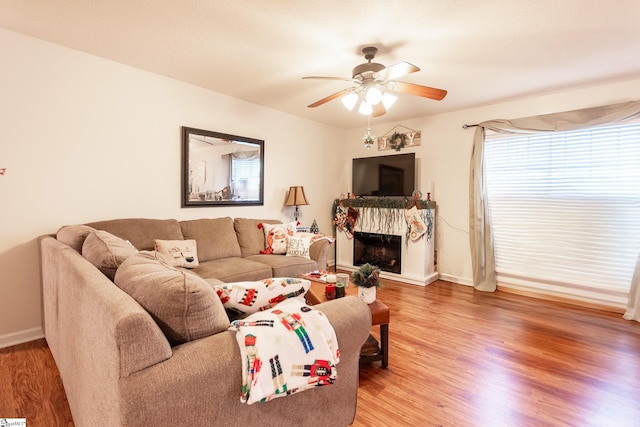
(379, 316)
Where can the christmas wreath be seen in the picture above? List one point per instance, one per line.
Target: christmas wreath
(398, 141)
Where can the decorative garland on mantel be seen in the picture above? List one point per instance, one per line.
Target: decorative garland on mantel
(387, 212)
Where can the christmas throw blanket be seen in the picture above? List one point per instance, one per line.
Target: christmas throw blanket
(286, 349)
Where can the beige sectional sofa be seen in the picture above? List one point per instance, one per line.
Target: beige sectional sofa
(121, 367)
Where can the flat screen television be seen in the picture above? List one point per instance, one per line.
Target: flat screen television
(384, 175)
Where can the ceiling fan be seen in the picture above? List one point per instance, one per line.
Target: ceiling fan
(373, 84)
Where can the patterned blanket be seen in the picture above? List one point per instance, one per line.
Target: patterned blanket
(285, 350)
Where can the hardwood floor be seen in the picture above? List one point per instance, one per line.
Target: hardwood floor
(458, 357)
(30, 386)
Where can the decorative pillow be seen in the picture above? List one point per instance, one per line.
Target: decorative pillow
(74, 235)
(298, 246)
(183, 253)
(275, 236)
(243, 298)
(183, 304)
(106, 251)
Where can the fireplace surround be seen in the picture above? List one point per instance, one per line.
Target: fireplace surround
(417, 261)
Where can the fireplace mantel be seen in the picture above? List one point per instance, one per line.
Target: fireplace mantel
(418, 266)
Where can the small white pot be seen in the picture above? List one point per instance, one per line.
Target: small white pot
(367, 295)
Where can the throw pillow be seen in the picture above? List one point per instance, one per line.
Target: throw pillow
(184, 305)
(183, 253)
(106, 251)
(74, 235)
(298, 246)
(275, 236)
(243, 298)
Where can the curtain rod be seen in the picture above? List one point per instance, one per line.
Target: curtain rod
(468, 126)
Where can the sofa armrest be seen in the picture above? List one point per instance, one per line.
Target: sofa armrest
(96, 332)
(319, 252)
(351, 320)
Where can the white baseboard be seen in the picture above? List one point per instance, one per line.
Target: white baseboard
(604, 299)
(16, 338)
(456, 279)
(610, 300)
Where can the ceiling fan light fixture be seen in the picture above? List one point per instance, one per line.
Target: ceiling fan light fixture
(388, 100)
(365, 108)
(373, 95)
(371, 81)
(350, 100)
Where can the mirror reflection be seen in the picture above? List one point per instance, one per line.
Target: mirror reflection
(221, 169)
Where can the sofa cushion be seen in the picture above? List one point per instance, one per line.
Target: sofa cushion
(183, 253)
(74, 235)
(244, 298)
(184, 305)
(216, 237)
(234, 269)
(141, 232)
(285, 266)
(276, 237)
(106, 251)
(250, 236)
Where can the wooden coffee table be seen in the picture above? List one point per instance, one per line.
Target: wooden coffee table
(379, 316)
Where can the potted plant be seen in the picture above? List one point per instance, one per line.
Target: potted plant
(367, 279)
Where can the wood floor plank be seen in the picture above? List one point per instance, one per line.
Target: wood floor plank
(458, 357)
(35, 389)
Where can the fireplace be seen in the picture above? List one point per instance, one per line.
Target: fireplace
(383, 250)
(416, 256)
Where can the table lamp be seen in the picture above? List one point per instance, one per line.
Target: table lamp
(296, 198)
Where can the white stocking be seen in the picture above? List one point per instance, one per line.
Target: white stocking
(417, 227)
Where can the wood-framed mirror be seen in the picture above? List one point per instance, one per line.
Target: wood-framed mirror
(220, 169)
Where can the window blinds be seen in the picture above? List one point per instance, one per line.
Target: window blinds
(245, 176)
(565, 207)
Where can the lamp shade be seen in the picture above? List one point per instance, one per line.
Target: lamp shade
(349, 100)
(388, 100)
(365, 108)
(373, 95)
(296, 197)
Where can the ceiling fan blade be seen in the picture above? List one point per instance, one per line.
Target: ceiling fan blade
(398, 70)
(418, 90)
(378, 110)
(345, 79)
(330, 98)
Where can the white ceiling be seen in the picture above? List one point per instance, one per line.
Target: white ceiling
(481, 51)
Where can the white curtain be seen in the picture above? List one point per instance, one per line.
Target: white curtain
(633, 306)
(481, 241)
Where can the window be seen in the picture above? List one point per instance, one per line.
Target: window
(565, 207)
(245, 177)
